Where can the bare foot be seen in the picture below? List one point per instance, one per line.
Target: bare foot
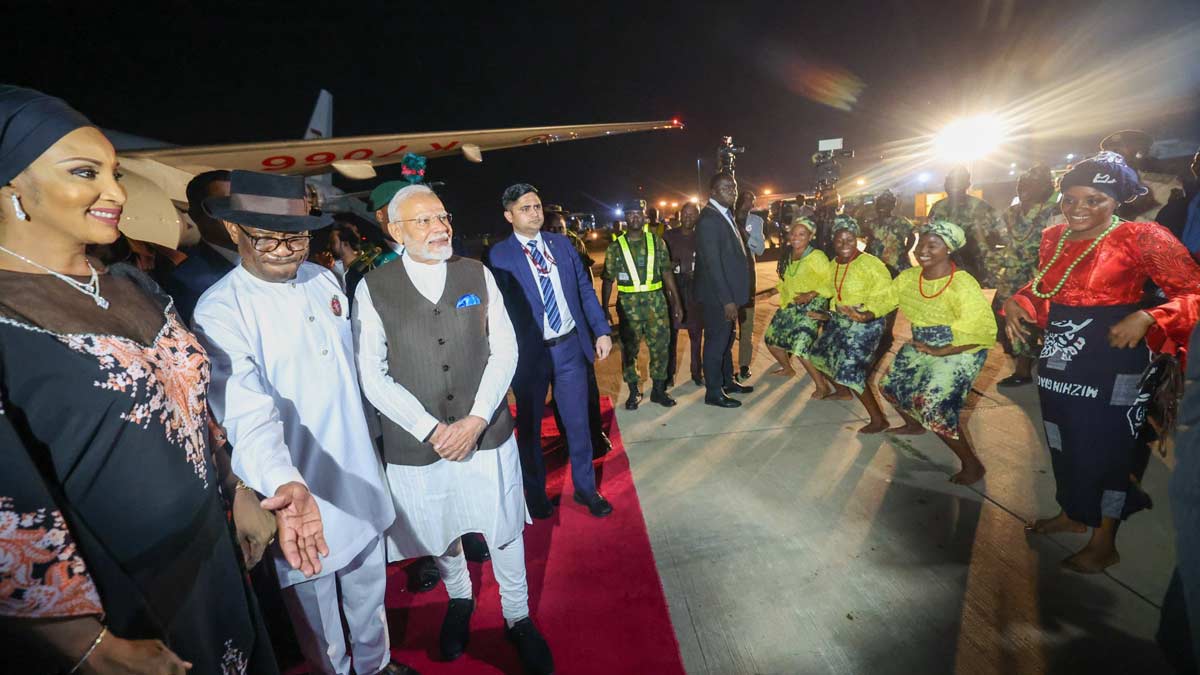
(1059, 523)
(907, 430)
(1091, 561)
(970, 474)
(840, 395)
(821, 394)
(781, 371)
(874, 427)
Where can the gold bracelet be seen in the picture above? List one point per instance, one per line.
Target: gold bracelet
(95, 643)
(242, 486)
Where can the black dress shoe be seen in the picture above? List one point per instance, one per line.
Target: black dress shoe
(744, 373)
(397, 668)
(475, 548)
(541, 508)
(428, 575)
(456, 628)
(660, 396)
(722, 401)
(601, 445)
(698, 380)
(635, 397)
(596, 503)
(532, 648)
(1014, 381)
(736, 388)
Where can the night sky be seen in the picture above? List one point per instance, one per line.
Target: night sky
(770, 74)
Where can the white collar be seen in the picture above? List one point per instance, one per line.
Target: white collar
(525, 240)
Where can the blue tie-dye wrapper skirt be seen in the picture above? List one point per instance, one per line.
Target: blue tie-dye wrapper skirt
(932, 389)
(793, 330)
(846, 349)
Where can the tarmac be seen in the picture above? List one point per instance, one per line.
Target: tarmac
(788, 543)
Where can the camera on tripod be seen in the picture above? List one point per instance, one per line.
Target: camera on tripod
(825, 159)
(727, 153)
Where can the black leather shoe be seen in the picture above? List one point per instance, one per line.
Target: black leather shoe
(660, 396)
(532, 648)
(722, 401)
(456, 628)
(744, 373)
(596, 503)
(397, 668)
(475, 548)
(539, 508)
(601, 445)
(736, 388)
(698, 380)
(635, 397)
(428, 575)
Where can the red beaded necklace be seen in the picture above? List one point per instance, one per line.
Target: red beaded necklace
(838, 284)
(921, 282)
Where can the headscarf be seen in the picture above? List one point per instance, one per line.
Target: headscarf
(806, 222)
(950, 233)
(845, 223)
(1108, 173)
(31, 122)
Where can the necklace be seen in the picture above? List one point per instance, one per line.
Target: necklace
(91, 288)
(1062, 241)
(921, 283)
(838, 284)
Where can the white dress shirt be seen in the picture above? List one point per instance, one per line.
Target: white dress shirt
(564, 313)
(437, 503)
(284, 387)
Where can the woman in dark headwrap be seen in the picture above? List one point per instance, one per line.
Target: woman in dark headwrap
(952, 329)
(862, 296)
(115, 552)
(1097, 343)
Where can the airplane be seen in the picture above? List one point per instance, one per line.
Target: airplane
(156, 175)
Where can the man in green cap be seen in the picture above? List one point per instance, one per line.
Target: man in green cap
(976, 217)
(372, 255)
(889, 237)
(639, 263)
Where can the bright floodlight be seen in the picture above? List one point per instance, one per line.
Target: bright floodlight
(618, 212)
(862, 181)
(969, 139)
(923, 178)
(693, 200)
(1070, 157)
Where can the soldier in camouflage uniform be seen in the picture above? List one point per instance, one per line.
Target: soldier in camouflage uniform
(976, 217)
(1015, 264)
(642, 305)
(889, 237)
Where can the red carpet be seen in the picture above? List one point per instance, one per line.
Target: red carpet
(594, 590)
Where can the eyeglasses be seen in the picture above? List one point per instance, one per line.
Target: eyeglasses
(425, 221)
(268, 244)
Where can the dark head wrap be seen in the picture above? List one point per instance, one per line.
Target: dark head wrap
(846, 223)
(31, 122)
(1108, 173)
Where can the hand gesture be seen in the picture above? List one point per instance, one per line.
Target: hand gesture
(255, 526)
(133, 657)
(677, 314)
(1128, 333)
(301, 534)
(1015, 318)
(731, 312)
(456, 441)
(856, 314)
(819, 315)
(804, 298)
(603, 347)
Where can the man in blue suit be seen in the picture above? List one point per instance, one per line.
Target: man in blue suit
(560, 328)
(208, 260)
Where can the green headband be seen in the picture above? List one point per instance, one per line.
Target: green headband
(806, 222)
(950, 233)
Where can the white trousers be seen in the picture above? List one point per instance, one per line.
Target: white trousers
(317, 615)
(508, 565)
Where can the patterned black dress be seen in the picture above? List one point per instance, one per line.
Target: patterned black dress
(109, 498)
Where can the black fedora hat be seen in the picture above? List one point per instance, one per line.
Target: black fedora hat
(267, 202)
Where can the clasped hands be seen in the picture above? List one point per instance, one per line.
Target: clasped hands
(455, 441)
(1125, 334)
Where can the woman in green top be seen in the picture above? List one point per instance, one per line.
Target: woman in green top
(952, 327)
(861, 290)
(803, 288)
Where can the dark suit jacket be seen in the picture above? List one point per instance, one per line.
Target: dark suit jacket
(188, 281)
(523, 298)
(722, 265)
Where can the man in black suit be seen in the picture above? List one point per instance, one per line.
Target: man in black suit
(722, 285)
(208, 260)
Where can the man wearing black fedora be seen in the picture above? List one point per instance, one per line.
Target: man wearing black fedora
(285, 388)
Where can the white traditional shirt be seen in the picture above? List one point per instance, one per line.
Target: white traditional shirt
(438, 503)
(285, 388)
(568, 322)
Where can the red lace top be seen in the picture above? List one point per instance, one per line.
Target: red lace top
(1115, 273)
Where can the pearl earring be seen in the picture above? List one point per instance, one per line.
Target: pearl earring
(17, 208)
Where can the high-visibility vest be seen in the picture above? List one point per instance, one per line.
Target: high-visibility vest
(636, 285)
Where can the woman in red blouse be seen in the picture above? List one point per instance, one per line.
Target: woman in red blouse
(1097, 343)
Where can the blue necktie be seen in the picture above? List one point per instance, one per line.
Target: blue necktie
(548, 298)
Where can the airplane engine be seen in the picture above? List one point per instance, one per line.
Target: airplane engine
(149, 214)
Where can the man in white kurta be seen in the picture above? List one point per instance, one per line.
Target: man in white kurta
(452, 465)
(285, 388)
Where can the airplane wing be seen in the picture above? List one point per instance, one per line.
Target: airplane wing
(352, 155)
(159, 175)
